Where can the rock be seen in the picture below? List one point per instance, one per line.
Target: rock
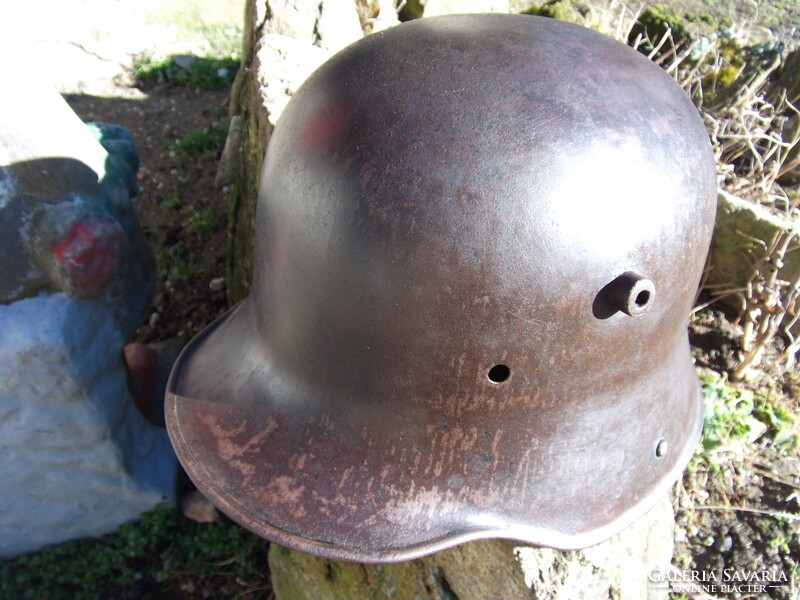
(226, 169)
(563, 10)
(733, 254)
(412, 9)
(452, 7)
(786, 80)
(77, 458)
(790, 169)
(761, 61)
(198, 508)
(284, 64)
(787, 77)
(85, 46)
(415, 9)
(330, 24)
(376, 15)
(619, 568)
(184, 61)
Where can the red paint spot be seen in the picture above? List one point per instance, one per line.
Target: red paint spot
(322, 131)
(90, 254)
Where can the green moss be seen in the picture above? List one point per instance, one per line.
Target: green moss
(563, 10)
(735, 414)
(727, 65)
(204, 73)
(716, 80)
(654, 23)
(161, 551)
(412, 9)
(732, 53)
(200, 144)
(727, 74)
(299, 576)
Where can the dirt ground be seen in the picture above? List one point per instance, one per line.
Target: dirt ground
(737, 508)
(181, 211)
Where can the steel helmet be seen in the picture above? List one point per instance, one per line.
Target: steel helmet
(478, 240)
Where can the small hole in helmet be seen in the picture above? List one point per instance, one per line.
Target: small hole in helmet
(642, 298)
(662, 447)
(499, 373)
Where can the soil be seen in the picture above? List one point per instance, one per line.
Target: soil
(739, 512)
(181, 211)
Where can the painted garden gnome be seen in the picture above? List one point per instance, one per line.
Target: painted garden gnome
(77, 458)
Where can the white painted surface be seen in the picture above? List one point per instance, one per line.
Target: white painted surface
(76, 457)
(36, 123)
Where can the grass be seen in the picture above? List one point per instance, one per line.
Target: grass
(737, 418)
(741, 484)
(742, 425)
(193, 147)
(205, 220)
(171, 202)
(172, 264)
(161, 551)
(200, 144)
(201, 73)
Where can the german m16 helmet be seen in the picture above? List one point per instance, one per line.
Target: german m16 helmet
(478, 240)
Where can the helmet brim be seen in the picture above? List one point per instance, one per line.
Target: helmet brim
(362, 481)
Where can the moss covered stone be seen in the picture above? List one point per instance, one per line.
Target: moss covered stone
(563, 10)
(654, 23)
(733, 252)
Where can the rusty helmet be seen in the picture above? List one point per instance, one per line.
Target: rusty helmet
(478, 241)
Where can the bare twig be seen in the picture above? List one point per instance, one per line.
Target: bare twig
(776, 514)
(754, 149)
